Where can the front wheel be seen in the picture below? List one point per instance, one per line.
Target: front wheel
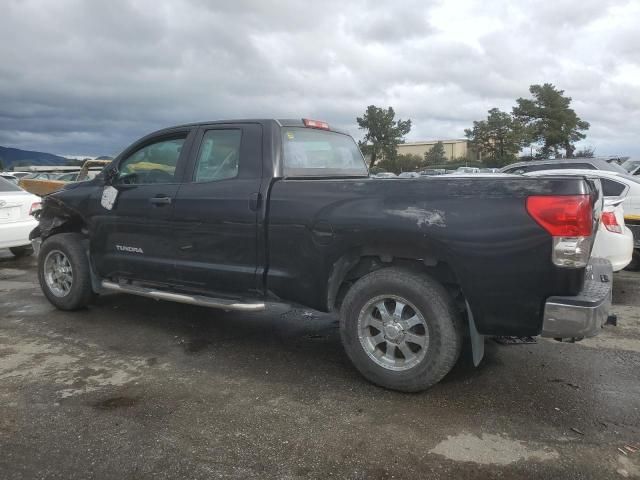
(64, 273)
(400, 329)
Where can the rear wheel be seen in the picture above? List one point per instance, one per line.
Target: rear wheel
(21, 251)
(400, 329)
(63, 272)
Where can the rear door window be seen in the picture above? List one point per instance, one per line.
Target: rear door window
(219, 155)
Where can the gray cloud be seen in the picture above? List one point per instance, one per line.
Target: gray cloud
(82, 77)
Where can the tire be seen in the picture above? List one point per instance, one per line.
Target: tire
(433, 312)
(21, 251)
(76, 293)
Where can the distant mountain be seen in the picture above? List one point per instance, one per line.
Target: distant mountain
(10, 157)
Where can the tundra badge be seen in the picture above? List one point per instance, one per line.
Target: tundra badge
(126, 248)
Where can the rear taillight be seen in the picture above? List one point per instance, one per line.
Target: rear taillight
(610, 222)
(569, 220)
(34, 208)
(315, 124)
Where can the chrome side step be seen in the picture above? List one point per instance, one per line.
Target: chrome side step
(211, 302)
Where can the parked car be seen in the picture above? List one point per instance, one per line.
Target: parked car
(67, 177)
(16, 218)
(45, 183)
(241, 214)
(615, 185)
(385, 175)
(16, 174)
(433, 171)
(632, 166)
(409, 175)
(9, 177)
(614, 241)
(563, 164)
(465, 170)
(40, 176)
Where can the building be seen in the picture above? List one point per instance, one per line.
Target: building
(453, 149)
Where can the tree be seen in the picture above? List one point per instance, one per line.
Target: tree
(383, 133)
(406, 162)
(550, 119)
(499, 138)
(436, 155)
(586, 152)
(409, 162)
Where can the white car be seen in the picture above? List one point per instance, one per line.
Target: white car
(16, 174)
(632, 166)
(16, 218)
(618, 188)
(614, 241)
(466, 170)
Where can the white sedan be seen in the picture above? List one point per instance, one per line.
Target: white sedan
(614, 240)
(16, 218)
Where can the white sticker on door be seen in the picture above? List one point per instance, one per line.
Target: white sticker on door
(109, 195)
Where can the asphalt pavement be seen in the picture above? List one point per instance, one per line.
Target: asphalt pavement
(134, 388)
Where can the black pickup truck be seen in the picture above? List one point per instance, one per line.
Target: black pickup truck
(241, 214)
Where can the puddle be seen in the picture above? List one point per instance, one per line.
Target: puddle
(490, 449)
(75, 370)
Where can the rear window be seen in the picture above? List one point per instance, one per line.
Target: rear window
(7, 186)
(611, 188)
(313, 152)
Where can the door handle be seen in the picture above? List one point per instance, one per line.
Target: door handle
(160, 200)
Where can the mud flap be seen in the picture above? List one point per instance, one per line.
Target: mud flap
(477, 340)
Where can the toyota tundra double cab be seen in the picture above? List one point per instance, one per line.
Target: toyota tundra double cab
(242, 214)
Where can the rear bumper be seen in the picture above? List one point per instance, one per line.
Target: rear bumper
(584, 314)
(615, 247)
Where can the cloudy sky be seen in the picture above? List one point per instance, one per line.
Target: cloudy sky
(87, 78)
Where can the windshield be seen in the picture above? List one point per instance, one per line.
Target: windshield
(631, 165)
(313, 152)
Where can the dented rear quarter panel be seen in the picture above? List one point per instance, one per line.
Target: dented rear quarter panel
(478, 226)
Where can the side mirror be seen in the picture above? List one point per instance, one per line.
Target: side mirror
(110, 174)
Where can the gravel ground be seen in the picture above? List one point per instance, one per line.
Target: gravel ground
(135, 388)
